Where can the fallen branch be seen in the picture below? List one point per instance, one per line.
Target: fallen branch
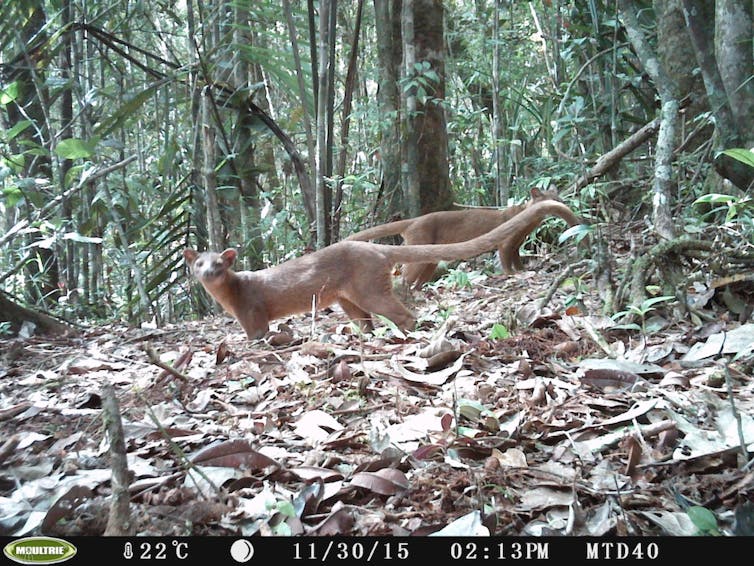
(613, 157)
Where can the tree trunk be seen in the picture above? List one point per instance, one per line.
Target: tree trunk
(502, 188)
(677, 57)
(32, 103)
(66, 131)
(430, 123)
(345, 122)
(409, 108)
(249, 215)
(324, 110)
(214, 223)
(302, 90)
(730, 132)
(700, 22)
(387, 28)
(733, 52)
(663, 186)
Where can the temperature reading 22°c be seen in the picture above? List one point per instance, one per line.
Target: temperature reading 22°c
(156, 551)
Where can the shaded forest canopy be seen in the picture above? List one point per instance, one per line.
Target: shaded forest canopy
(276, 128)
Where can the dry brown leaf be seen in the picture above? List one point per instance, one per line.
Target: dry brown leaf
(65, 506)
(339, 522)
(610, 379)
(341, 372)
(313, 472)
(387, 481)
(233, 454)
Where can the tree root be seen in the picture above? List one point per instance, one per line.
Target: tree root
(667, 257)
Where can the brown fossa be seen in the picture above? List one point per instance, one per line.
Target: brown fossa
(356, 275)
(450, 226)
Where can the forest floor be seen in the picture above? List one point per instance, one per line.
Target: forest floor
(568, 426)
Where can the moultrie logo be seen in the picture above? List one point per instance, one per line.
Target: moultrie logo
(39, 550)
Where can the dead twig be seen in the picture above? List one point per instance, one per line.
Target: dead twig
(154, 359)
(8, 448)
(119, 520)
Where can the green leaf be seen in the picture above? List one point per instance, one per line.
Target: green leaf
(499, 331)
(13, 195)
(654, 300)
(74, 148)
(286, 508)
(715, 198)
(629, 326)
(578, 233)
(470, 409)
(742, 155)
(17, 129)
(9, 93)
(126, 110)
(391, 325)
(703, 519)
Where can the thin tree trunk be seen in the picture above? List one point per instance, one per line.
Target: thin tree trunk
(501, 179)
(332, 34)
(701, 31)
(387, 29)
(433, 172)
(322, 123)
(307, 118)
(345, 121)
(245, 152)
(214, 223)
(313, 52)
(68, 259)
(196, 121)
(733, 53)
(662, 217)
(410, 161)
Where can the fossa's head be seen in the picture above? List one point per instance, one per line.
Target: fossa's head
(209, 266)
(551, 193)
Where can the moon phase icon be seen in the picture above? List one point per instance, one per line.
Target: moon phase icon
(241, 550)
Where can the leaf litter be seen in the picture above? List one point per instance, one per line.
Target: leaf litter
(569, 426)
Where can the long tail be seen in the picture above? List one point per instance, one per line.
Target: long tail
(566, 214)
(389, 229)
(535, 213)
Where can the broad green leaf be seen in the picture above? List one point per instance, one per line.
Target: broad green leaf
(715, 198)
(703, 519)
(12, 195)
(578, 233)
(654, 300)
(470, 409)
(74, 148)
(499, 331)
(286, 508)
(17, 129)
(742, 155)
(126, 110)
(15, 162)
(9, 93)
